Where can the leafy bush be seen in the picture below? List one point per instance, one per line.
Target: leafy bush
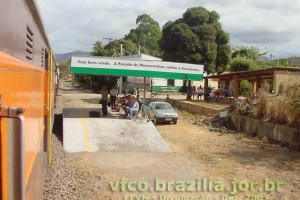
(245, 88)
(282, 109)
(83, 80)
(277, 110)
(281, 88)
(260, 110)
(293, 96)
(271, 110)
(242, 64)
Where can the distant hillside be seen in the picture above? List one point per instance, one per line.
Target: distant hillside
(62, 58)
(292, 60)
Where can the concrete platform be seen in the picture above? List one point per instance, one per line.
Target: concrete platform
(109, 134)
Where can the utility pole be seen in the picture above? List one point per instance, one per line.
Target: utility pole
(121, 51)
(121, 78)
(109, 39)
(139, 50)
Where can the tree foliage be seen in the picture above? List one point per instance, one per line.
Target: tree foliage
(98, 49)
(63, 69)
(245, 88)
(242, 64)
(147, 34)
(247, 58)
(253, 53)
(114, 48)
(198, 38)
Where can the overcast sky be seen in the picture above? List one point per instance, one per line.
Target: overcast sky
(76, 24)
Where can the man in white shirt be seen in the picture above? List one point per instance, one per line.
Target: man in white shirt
(113, 97)
(199, 92)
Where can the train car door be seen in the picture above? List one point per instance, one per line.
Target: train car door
(0, 156)
(46, 102)
(9, 157)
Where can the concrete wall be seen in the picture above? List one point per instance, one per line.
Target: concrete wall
(287, 136)
(194, 108)
(286, 78)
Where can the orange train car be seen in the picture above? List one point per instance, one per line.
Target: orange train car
(27, 73)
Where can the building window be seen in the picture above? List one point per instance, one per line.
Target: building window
(171, 82)
(29, 44)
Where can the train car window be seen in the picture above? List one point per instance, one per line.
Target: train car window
(43, 58)
(46, 60)
(29, 44)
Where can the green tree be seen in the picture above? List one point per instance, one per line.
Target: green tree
(242, 64)
(223, 51)
(245, 88)
(98, 49)
(147, 34)
(63, 68)
(197, 38)
(253, 53)
(114, 48)
(248, 58)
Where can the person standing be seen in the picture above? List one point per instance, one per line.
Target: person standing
(104, 97)
(193, 91)
(199, 92)
(113, 97)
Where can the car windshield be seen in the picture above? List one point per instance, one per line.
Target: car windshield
(163, 106)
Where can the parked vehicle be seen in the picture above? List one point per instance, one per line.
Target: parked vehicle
(162, 112)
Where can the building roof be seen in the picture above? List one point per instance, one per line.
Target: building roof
(252, 73)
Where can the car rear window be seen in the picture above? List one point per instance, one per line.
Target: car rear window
(163, 107)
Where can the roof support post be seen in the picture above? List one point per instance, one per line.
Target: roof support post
(120, 85)
(236, 86)
(205, 87)
(227, 83)
(254, 87)
(144, 99)
(258, 83)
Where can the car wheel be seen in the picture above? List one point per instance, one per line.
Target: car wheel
(155, 120)
(175, 121)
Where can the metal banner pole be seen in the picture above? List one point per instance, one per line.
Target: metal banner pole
(144, 100)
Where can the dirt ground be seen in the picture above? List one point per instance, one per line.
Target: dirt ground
(196, 153)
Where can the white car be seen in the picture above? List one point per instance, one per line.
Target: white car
(162, 112)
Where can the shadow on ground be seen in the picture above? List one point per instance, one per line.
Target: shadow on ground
(58, 126)
(92, 100)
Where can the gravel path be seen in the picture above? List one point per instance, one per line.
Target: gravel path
(64, 179)
(60, 182)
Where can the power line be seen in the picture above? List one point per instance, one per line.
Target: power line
(109, 39)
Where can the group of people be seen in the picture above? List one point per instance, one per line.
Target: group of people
(209, 92)
(129, 103)
(199, 92)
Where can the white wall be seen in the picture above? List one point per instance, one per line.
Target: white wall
(178, 82)
(164, 82)
(159, 81)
